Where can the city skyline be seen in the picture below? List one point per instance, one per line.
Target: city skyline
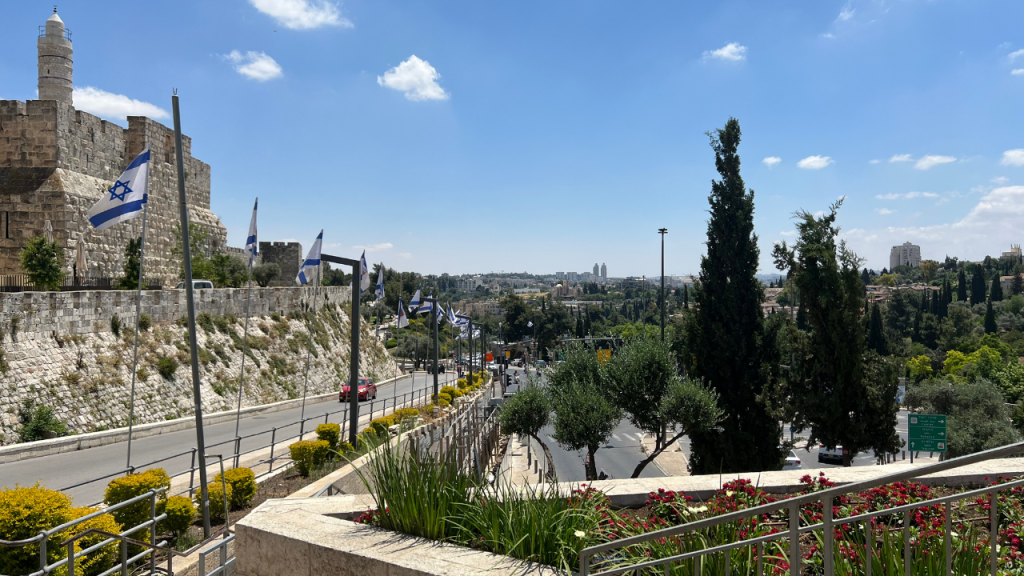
(398, 106)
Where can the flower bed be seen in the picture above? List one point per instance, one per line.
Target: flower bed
(538, 525)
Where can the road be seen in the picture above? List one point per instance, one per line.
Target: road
(62, 470)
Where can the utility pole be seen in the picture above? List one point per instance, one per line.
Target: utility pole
(662, 231)
(353, 378)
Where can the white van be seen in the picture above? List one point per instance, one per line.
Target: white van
(197, 284)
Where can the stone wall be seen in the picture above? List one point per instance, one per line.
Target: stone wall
(56, 162)
(43, 314)
(287, 255)
(66, 357)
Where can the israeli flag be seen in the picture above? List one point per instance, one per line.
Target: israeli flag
(403, 320)
(364, 274)
(428, 305)
(529, 324)
(128, 195)
(415, 303)
(311, 262)
(440, 314)
(251, 249)
(378, 292)
(451, 315)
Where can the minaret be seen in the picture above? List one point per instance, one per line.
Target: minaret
(54, 47)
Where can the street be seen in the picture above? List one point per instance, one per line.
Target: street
(62, 470)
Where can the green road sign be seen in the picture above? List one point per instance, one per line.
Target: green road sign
(927, 433)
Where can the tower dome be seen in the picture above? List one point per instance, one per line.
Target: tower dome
(55, 60)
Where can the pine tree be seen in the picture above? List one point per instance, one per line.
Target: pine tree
(996, 292)
(961, 286)
(686, 297)
(727, 345)
(876, 340)
(865, 278)
(947, 289)
(990, 319)
(943, 307)
(1017, 287)
(978, 288)
(844, 394)
(915, 336)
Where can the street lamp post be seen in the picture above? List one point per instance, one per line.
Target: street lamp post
(353, 379)
(662, 231)
(434, 305)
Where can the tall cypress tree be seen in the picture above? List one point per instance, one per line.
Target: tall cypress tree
(727, 344)
(961, 286)
(947, 289)
(876, 340)
(990, 319)
(686, 297)
(978, 288)
(996, 293)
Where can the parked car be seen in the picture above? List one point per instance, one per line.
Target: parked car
(440, 368)
(197, 284)
(834, 455)
(792, 461)
(367, 390)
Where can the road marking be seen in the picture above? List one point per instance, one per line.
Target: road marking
(616, 436)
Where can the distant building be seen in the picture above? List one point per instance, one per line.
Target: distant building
(597, 269)
(1014, 254)
(573, 277)
(604, 273)
(559, 275)
(906, 254)
(469, 284)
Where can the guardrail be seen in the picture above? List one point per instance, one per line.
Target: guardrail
(271, 439)
(610, 563)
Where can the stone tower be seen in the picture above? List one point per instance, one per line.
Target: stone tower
(54, 47)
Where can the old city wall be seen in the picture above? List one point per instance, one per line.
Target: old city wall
(55, 162)
(64, 354)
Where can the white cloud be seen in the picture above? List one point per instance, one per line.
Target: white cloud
(405, 255)
(254, 65)
(875, 161)
(302, 14)
(846, 13)
(992, 223)
(814, 162)
(788, 233)
(828, 36)
(771, 161)
(374, 247)
(884, 211)
(732, 52)
(1014, 55)
(1017, 71)
(927, 162)
(908, 195)
(416, 78)
(117, 106)
(901, 158)
(1000, 180)
(1013, 157)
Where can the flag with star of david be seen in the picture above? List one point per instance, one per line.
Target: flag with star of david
(126, 198)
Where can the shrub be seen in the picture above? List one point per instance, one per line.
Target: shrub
(221, 323)
(380, 426)
(103, 559)
(442, 397)
(331, 433)
(218, 495)
(451, 391)
(206, 321)
(127, 487)
(42, 261)
(145, 322)
(166, 366)
(461, 383)
(309, 454)
(115, 325)
(345, 448)
(143, 374)
(264, 274)
(25, 511)
(443, 403)
(180, 514)
(243, 486)
(978, 418)
(38, 422)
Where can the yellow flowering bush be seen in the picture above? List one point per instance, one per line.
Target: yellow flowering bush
(217, 495)
(180, 514)
(243, 486)
(128, 487)
(309, 454)
(329, 432)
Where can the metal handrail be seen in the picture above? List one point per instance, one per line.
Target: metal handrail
(793, 504)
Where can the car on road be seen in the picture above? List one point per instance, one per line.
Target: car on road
(440, 368)
(197, 284)
(367, 390)
(831, 455)
(541, 364)
(792, 461)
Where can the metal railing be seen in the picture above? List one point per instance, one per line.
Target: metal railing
(272, 439)
(70, 283)
(608, 557)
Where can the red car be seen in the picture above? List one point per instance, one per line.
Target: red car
(367, 389)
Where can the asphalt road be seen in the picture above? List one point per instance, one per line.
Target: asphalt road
(63, 470)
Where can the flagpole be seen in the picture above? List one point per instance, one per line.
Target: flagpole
(309, 353)
(138, 314)
(245, 350)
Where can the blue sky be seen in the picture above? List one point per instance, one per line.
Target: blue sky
(543, 136)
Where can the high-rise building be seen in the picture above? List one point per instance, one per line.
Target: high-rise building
(560, 275)
(604, 273)
(906, 254)
(597, 270)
